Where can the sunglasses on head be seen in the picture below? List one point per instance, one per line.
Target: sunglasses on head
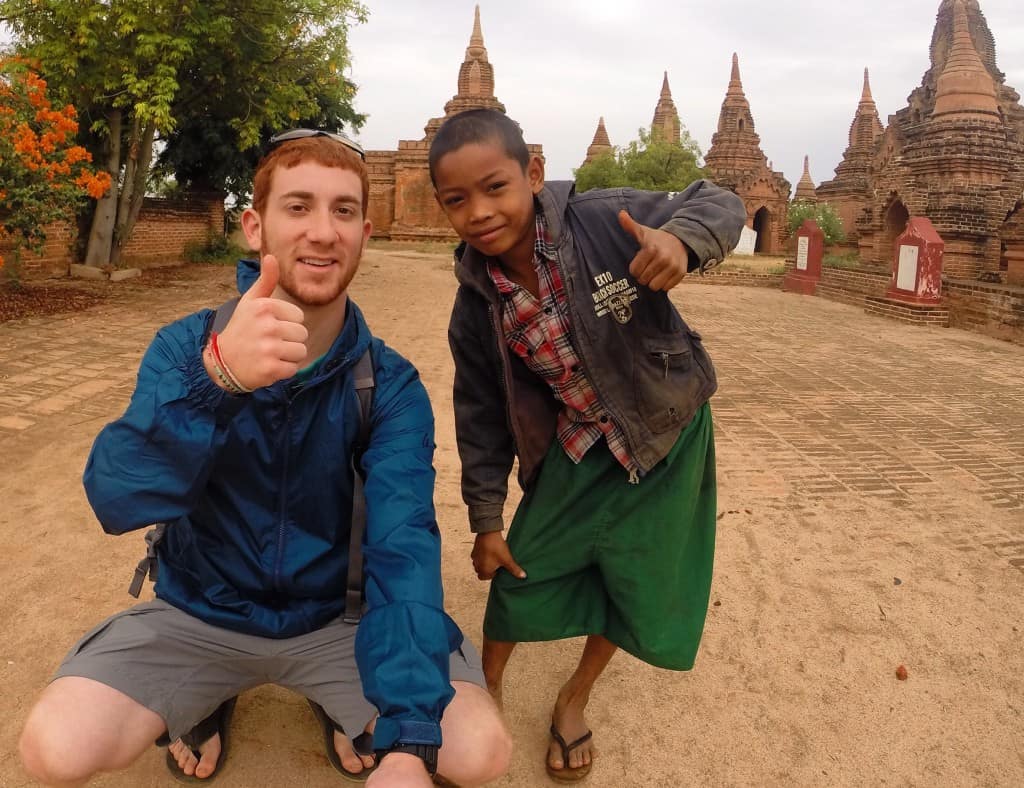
(298, 134)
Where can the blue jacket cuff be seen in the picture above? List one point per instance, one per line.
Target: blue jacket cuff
(207, 394)
(389, 732)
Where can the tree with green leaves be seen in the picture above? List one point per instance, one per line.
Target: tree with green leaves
(824, 214)
(649, 162)
(221, 74)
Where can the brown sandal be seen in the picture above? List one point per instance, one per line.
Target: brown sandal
(568, 774)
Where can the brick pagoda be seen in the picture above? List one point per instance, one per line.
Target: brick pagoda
(805, 188)
(953, 155)
(402, 205)
(736, 161)
(666, 125)
(601, 144)
(850, 190)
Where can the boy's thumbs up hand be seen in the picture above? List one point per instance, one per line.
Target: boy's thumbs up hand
(264, 341)
(491, 553)
(662, 260)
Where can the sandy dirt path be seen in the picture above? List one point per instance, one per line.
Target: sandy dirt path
(872, 515)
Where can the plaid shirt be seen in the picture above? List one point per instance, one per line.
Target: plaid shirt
(537, 330)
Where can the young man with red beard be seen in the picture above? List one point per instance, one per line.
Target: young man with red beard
(242, 442)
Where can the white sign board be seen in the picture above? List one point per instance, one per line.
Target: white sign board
(803, 244)
(906, 272)
(748, 242)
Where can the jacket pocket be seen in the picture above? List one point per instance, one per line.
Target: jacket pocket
(664, 380)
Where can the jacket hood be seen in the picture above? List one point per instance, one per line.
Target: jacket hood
(246, 272)
(552, 201)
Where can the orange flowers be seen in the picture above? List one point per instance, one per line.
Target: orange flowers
(45, 174)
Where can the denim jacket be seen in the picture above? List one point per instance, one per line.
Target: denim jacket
(648, 368)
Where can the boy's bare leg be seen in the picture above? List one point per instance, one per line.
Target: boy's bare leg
(572, 701)
(495, 657)
(80, 727)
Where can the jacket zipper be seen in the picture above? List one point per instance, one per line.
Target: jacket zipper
(283, 497)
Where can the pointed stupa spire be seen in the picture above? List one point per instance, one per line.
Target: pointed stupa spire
(601, 144)
(851, 181)
(866, 126)
(805, 188)
(735, 147)
(476, 80)
(735, 83)
(965, 88)
(476, 39)
(665, 124)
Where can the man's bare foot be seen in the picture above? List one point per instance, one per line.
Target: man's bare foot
(187, 762)
(349, 759)
(569, 722)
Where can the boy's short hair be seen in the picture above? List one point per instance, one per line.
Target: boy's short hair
(476, 126)
(322, 150)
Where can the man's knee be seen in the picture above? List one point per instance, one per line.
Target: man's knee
(48, 753)
(493, 750)
(80, 727)
(477, 744)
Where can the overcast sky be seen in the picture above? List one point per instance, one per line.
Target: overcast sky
(560, 64)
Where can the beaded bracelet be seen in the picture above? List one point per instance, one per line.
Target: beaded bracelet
(223, 371)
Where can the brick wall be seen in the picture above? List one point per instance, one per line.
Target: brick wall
(995, 310)
(740, 278)
(164, 229)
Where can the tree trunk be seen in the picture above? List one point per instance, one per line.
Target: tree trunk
(101, 232)
(133, 192)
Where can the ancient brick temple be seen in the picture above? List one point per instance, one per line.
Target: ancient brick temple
(601, 144)
(736, 161)
(850, 190)
(666, 125)
(954, 155)
(402, 204)
(805, 188)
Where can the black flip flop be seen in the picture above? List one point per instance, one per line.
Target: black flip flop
(219, 722)
(362, 744)
(568, 774)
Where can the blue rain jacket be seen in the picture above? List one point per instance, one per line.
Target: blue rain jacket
(257, 490)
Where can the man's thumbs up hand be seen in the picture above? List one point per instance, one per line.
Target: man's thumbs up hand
(264, 341)
(662, 260)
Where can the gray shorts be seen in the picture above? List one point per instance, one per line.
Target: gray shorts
(183, 668)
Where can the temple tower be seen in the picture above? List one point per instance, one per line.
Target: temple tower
(955, 155)
(601, 144)
(402, 204)
(805, 188)
(476, 81)
(666, 125)
(849, 191)
(736, 161)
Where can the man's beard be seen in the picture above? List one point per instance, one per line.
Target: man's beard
(311, 295)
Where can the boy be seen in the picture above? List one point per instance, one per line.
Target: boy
(570, 357)
(243, 443)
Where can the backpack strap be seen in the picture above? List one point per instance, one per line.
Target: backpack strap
(223, 314)
(364, 384)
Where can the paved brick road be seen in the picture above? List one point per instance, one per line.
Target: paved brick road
(852, 450)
